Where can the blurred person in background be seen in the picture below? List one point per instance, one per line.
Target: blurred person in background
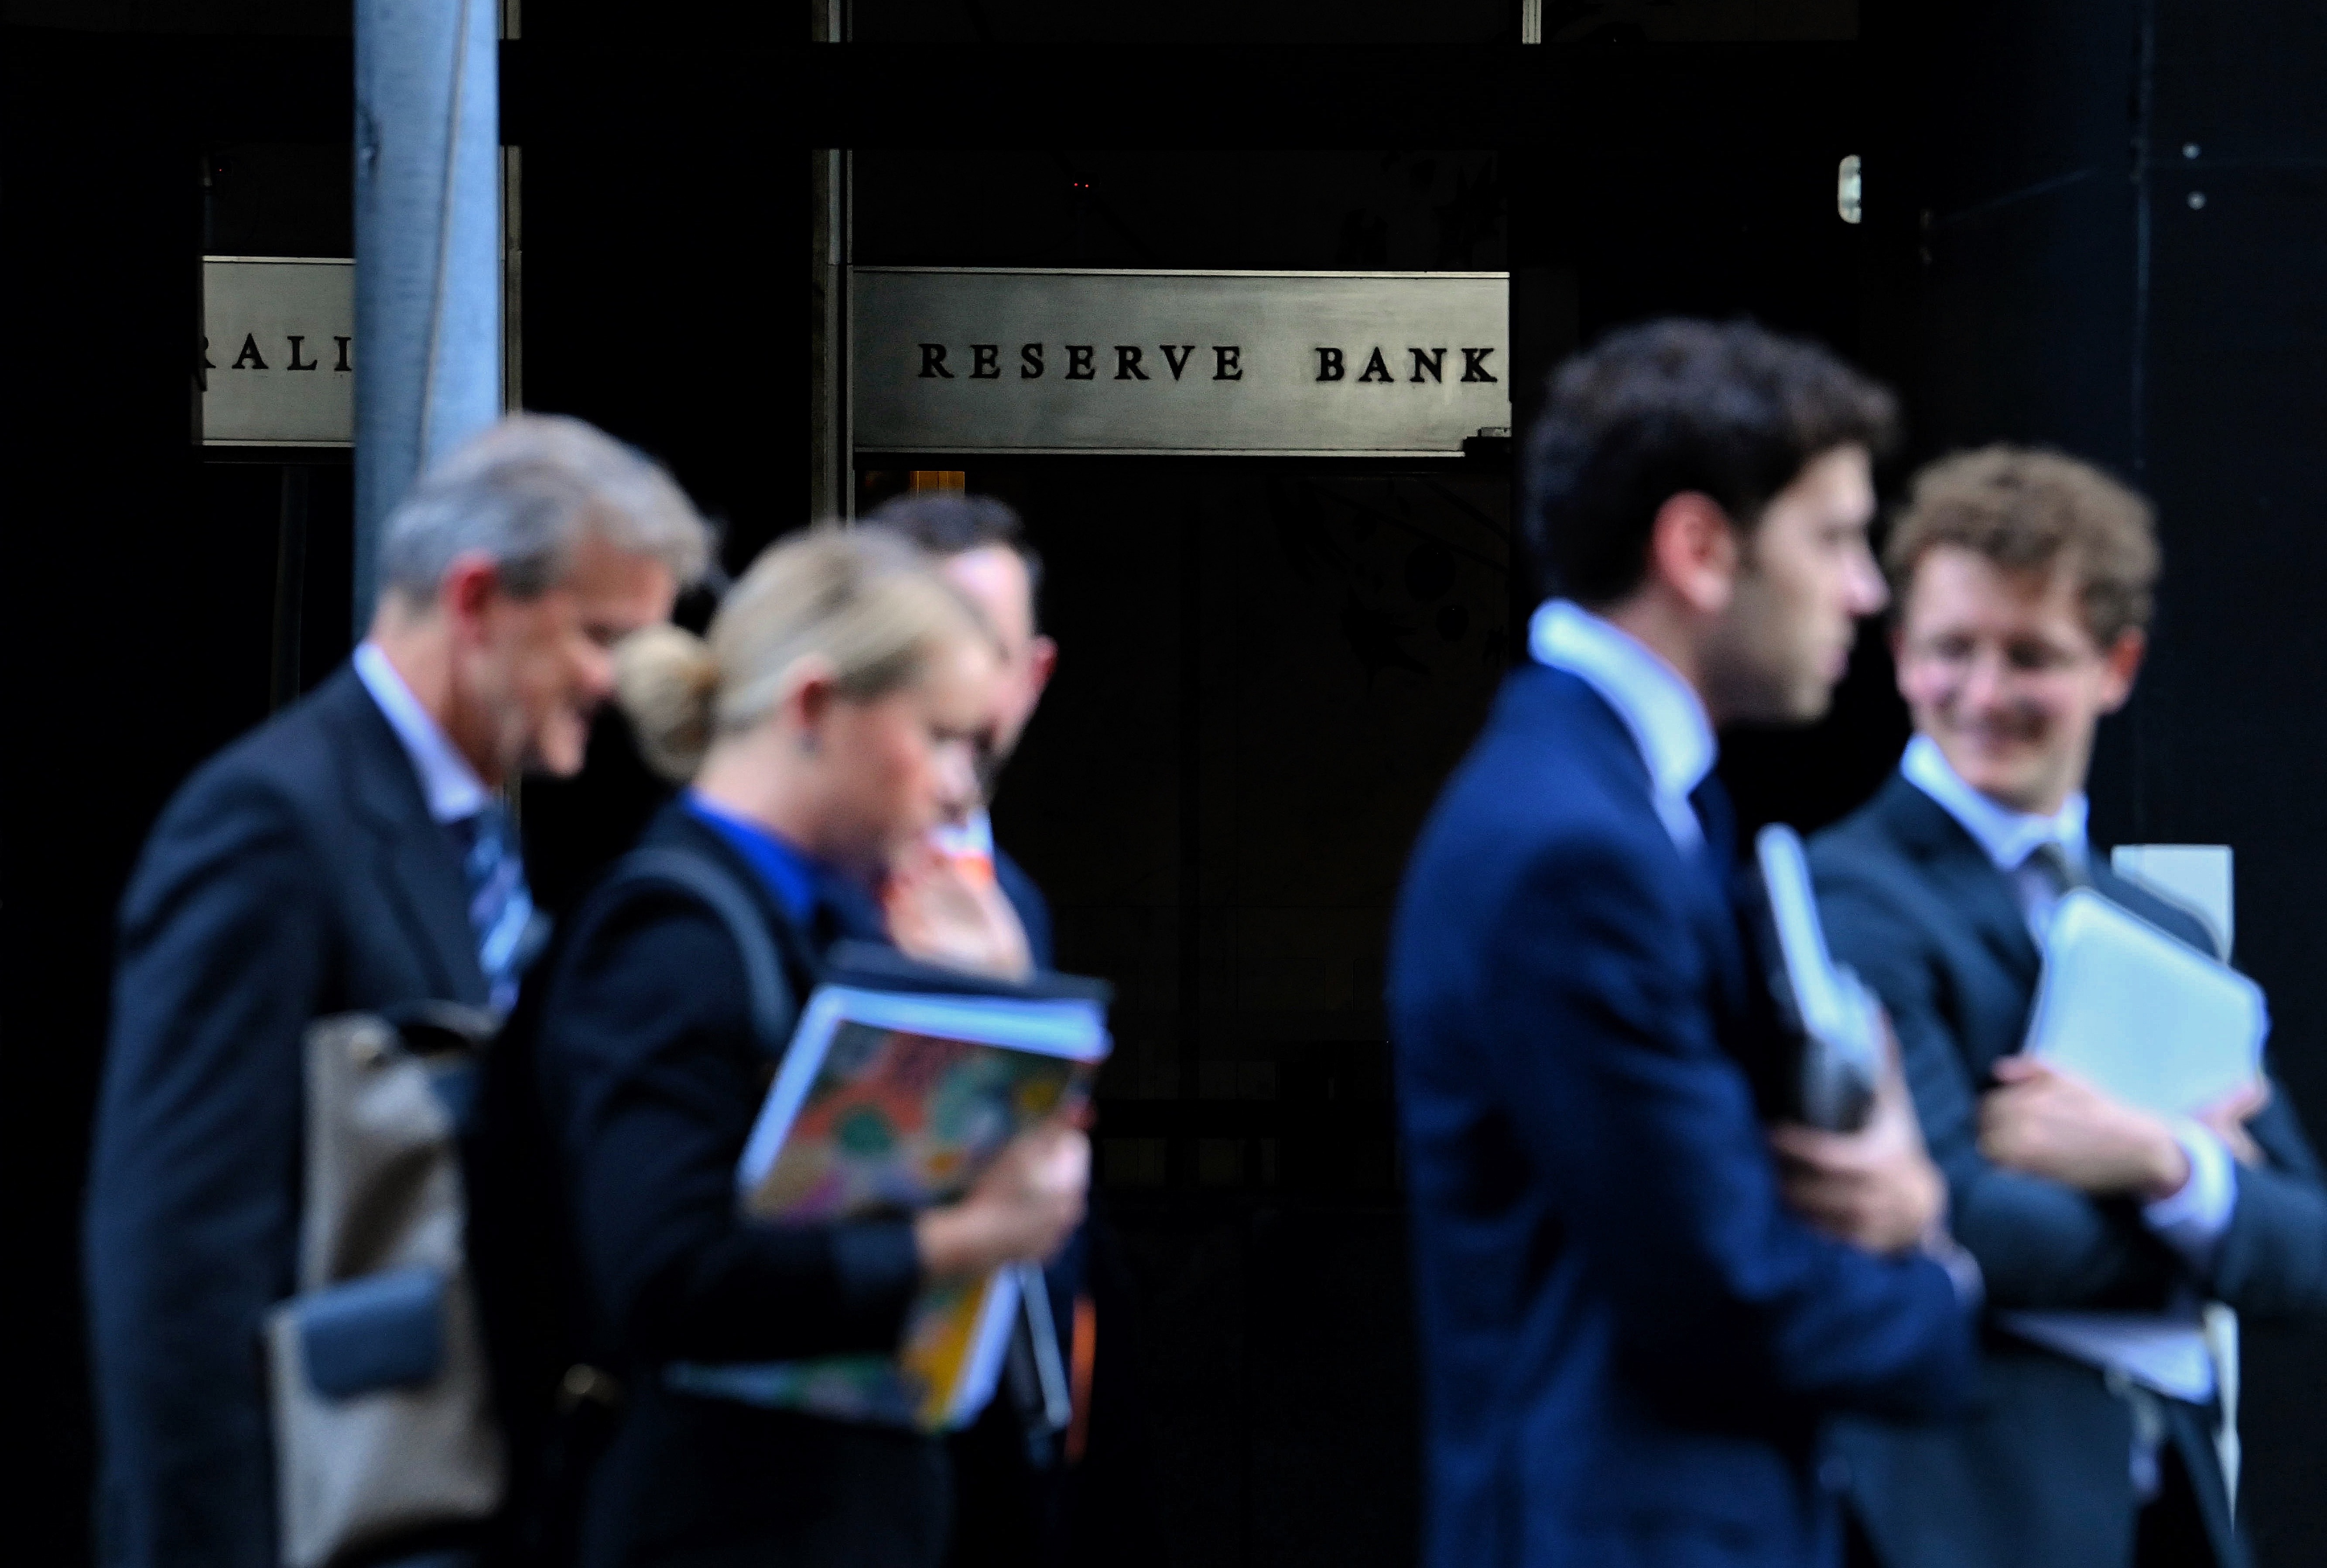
(2024, 582)
(1635, 1321)
(350, 854)
(981, 546)
(1031, 1495)
(831, 719)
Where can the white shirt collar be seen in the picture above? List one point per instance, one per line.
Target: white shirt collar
(453, 788)
(1662, 711)
(971, 838)
(2009, 838)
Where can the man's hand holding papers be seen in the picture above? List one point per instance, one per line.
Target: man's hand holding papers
(2044, 1121)
(2227, 1119)
(1876, 1187)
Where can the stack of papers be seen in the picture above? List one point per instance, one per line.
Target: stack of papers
(1837, 1019)
(888, 1102)
(2146, 1018)
(2157, 1024)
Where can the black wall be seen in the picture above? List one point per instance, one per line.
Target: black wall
(665, 214)
(138, 589)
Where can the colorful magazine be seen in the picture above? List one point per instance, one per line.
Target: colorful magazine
(888, 1102)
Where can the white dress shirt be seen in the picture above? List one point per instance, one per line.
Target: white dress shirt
(452, 787)
(1668, 722)
(2164, 1351)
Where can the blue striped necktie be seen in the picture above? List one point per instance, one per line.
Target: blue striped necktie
(500, 906)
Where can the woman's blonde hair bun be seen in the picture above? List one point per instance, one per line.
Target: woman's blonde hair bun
(667, 680)
(865, 602)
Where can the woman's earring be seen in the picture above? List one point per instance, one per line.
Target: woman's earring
(807, 745)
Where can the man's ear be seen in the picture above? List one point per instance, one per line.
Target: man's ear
(1041, 662)
(465, 592)
(2121, 665)
(1694, 550)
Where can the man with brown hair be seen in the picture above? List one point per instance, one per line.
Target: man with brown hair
(2023, 583)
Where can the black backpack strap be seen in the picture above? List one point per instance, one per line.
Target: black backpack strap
(558, 1400)
(775, 1006)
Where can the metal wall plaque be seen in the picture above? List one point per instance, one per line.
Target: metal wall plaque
(1304, 364)
(278, 352)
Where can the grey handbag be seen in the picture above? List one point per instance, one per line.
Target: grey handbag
(383, 1418)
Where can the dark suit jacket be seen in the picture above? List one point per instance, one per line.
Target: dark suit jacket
(651, 1079)
(2038, 1474)
(1026, 1508)
(1629, 1346)
(297, 874)
(1033, 910)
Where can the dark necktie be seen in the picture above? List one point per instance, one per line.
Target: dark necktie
(2055, 874)
(2058, 866)
(1718, 819)
(500, 906)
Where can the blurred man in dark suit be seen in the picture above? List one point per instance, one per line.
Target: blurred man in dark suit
(2024, 582)
(985, 555)
(350, 854)
(1630, 1345)
(1025, 1493)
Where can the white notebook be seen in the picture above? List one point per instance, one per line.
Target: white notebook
(2140, 1015)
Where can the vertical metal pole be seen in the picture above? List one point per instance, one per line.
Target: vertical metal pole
(513, 278)
(428, 284)
(2138, 438)
(832, 487)
(845, 358)
(290, 585)
(827, 341)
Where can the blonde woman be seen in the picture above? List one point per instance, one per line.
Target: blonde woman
(824, 726)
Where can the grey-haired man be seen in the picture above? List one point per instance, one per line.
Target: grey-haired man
(350, 854)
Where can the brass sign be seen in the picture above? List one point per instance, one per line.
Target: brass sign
(978, 360)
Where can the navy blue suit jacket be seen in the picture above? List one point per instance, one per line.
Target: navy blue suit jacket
(2038, 1474)
(295, 876)
(1629, 1345)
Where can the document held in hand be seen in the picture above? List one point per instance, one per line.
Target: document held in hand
(894, 1096)
(1834, 1021)
(2140, 1016)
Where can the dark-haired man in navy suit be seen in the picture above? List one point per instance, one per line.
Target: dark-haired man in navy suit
(2025, 582)
(350, 855)
(1635, 1319)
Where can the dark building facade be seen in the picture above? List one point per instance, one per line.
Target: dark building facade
(2096, 225)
